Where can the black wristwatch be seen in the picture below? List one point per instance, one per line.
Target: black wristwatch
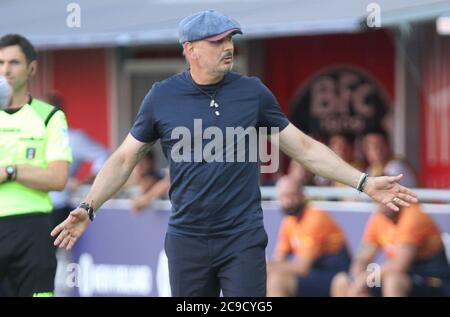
(90, 211)
(11, 173)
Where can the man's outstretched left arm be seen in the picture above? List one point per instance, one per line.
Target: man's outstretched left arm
(321, 160)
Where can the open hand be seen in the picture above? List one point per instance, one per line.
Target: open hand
(70, 230)
(387, 191)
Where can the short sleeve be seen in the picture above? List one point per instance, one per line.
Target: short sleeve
(57, 147)
(370, 233)
(398, 166)
(310, 248)
(283, 245)
(313, 236)
(87, 149)
(270, 114)
(414, 228)
(144, 128)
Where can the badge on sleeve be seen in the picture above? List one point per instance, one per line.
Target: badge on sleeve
(31, 153)
(65, 137)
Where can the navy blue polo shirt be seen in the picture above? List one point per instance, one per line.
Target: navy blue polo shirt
(209, 197)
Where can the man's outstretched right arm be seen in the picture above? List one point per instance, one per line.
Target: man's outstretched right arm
(109, 180)
(116, 171)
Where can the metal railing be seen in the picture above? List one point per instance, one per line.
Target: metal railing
(328, 198)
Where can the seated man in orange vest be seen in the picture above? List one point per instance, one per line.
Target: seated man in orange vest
(416, 263)
(316, 243)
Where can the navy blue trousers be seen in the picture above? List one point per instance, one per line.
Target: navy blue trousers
(203, 266)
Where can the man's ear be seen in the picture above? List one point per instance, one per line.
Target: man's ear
(189, 49)
(32, 68)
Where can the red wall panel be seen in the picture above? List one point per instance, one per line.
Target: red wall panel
(81, 77)
(435, 125)
(290, 62)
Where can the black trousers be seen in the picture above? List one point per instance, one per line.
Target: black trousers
(27, 256)
(58, 215)
(235, 264)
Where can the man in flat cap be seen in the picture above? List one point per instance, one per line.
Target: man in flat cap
(215, 239)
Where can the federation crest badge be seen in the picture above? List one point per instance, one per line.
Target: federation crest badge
(31, 153)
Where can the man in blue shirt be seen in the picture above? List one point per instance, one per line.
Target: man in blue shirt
(215, 239)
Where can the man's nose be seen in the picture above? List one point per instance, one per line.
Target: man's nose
(228, 45)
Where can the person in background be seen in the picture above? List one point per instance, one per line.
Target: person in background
(84, 149)
(34, 159)
(144, 175)
(159, 190)
(381, 161)
(343, 145)
(147, 183)
(311, 247)
(298, 172)
(416, 262)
